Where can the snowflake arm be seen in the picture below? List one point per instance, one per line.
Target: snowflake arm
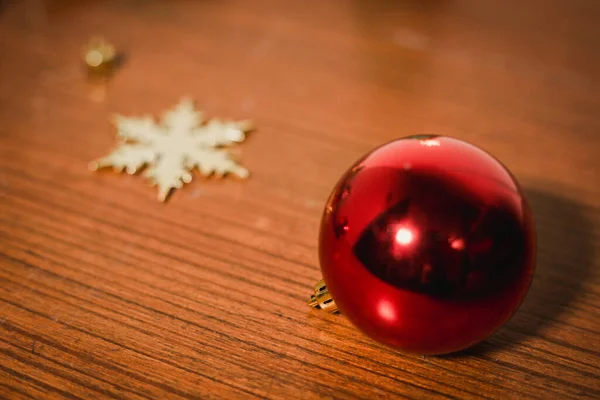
(222, 133)
(168, 173)
(183, 118)
(128, 157)
(210, 161)
(141, 129)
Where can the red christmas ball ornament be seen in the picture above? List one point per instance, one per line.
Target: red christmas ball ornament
(427, 244)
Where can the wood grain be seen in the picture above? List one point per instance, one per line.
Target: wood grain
(107, 293)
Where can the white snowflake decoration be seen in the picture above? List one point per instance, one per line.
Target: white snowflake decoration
(170, 150)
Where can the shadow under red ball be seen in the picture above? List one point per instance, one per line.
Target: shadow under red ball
(427, 245)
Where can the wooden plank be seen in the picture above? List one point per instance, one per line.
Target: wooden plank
(107, 293)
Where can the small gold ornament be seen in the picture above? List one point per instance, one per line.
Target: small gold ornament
(182, 142)
(99, 56)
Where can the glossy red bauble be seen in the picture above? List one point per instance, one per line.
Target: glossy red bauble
(427, 244)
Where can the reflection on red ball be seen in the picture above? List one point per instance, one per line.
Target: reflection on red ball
(427, 244)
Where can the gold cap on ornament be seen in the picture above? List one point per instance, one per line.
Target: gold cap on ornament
(322, 299)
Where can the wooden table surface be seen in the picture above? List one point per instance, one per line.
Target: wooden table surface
(107, 293)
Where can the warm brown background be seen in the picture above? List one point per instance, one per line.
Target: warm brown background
(105, 292)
